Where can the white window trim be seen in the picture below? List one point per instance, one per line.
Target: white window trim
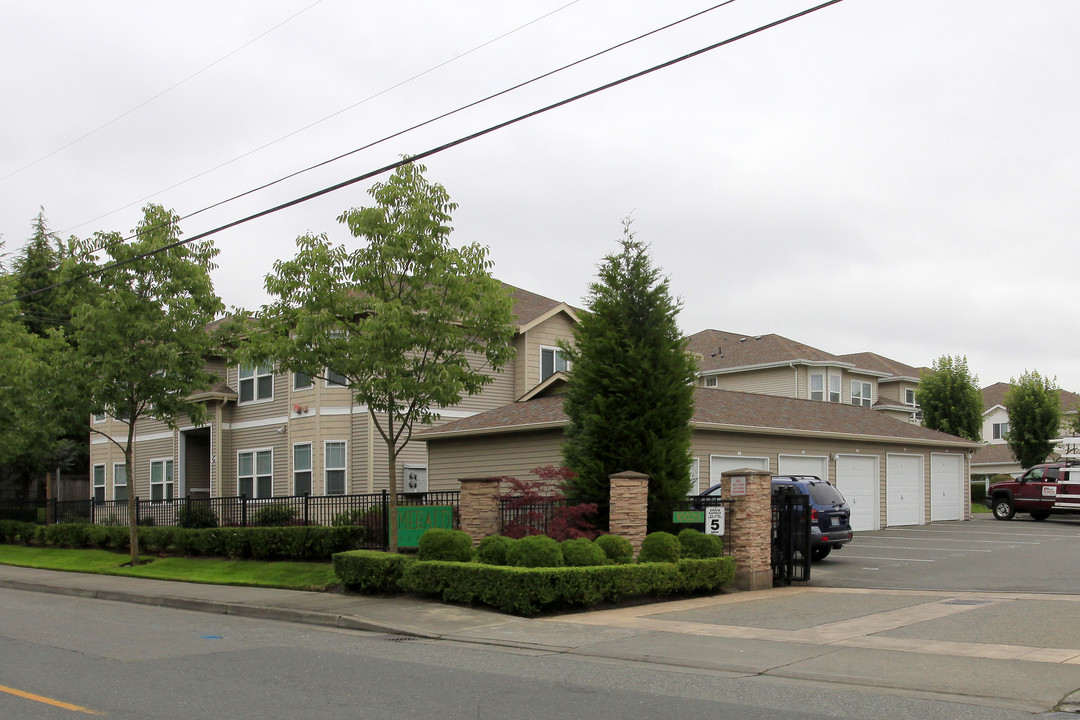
(255, 375)
(303, 388)
(810, 386)
(695, 476)
(711, 381)
(126, 484)
(163, 482)
(912, 403)
(255, 470)
(310, 471)
(100, 417)
(327, 383)
(94, 483)
(839, 388)
(327, 468)
(555, 362)
(998, 430)
(870, 397)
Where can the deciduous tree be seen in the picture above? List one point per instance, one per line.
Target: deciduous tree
(1034, 408)
(630, 390)
(949, 398)
(410, 323)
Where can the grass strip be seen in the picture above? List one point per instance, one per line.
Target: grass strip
(211, 571)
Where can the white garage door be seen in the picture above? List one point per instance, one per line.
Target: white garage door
(946, 480)
(722, 463)
(903, 489)
(857, 481)
(803, 465)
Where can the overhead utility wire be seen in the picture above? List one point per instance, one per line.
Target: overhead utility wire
(322, 120)
(169, 89)
(410, 129)
(432, 151)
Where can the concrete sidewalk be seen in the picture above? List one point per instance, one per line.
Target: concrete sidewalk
(1019, 650)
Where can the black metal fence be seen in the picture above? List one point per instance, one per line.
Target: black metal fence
(369, 510)
(790, 538)
(710, 515)
(532, 517)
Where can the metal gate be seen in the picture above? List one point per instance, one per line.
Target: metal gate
(790, 536)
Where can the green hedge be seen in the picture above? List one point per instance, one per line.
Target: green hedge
(371, 571)
(17, 532)
(528, 591)
(258, 543)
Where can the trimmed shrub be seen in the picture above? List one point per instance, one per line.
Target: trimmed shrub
(492, 550)
(276, 515)
(197, 515)
(617, 548)
(696, 544)
(660, 547)
(17, 532)
(370, 571)
(535, 551)
(580, 552)
(445, 544)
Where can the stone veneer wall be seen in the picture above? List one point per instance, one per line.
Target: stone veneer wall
(479, 509)
(629, 507)
(751, 528)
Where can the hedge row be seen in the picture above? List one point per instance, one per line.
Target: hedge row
(527, 591)
(258, 543)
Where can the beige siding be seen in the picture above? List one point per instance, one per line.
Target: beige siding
(770, 381)
(512, 454)
(546, 334)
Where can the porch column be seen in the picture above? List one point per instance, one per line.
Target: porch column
(750, 491)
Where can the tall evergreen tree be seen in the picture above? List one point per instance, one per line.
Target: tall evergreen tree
(949, 398)
(37, 266)
(630, 388)
(1034, 407)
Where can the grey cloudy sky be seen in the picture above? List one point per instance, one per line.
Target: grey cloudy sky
(895, 177)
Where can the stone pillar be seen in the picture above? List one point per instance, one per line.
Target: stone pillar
(629, 506)
(751, 526)
(479, 509)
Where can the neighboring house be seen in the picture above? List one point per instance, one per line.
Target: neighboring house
(775, 365)
(273, 433)
(996, 458)
(891, 471)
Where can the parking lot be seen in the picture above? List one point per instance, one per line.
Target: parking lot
(983, 554)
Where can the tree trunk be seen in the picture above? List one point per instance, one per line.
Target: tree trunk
(133, 519)
(391, 453)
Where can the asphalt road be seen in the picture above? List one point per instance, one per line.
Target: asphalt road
(1019, 555)
(134, 661)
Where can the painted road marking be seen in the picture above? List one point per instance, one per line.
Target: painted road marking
(47, 701)
(871, 557)
(919, 547)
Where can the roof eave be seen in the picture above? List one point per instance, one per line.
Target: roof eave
(498, 430)
(892, 440)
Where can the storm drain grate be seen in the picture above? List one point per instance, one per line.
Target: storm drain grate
(967, 602)
(398, 638)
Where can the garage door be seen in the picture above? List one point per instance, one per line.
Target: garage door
(857, 481)
(803, 465)
(722, 463)
(903, 489)
(946, 480)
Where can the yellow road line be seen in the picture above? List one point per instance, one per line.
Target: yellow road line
(47, 701)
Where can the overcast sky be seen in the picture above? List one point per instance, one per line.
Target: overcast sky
(894, 177)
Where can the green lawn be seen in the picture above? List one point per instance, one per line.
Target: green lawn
(979, 508)
(215, 571)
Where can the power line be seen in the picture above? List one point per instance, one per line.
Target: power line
(322, 120)
(418, 125)
(155, 97)
(433, 151)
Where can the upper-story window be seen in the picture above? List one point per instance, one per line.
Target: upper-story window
(861, 393)
(300, 381)
(552, 360)
(909, 397)
(710, 381)
(99, 417)
(336, 379)
(817, 387)
(256, 383)
(1000, 429)
(834, 388)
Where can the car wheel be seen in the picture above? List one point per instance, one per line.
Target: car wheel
(820, 553)
(1003, 509)
(1040, 515)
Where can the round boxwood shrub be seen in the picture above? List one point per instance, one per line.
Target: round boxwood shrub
(276, 515)
(696, 544)
(197, 515)
(535, 551)
(492, 550)
(660, 547)
(445, 544)
(617, 548)
(582, 552)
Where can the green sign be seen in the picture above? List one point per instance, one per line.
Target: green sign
(413, 520)
(688, 516)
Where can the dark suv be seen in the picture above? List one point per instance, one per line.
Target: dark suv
(830, 516)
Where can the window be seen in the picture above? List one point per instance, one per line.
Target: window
(334, 379)
(99, 417)
(256, 383)
(255, 473)
(119, 481)
(860, 393)
(300, 381)
(301, 462)
(161, 480)
(817, 386)
(710, 382)
(552, 360)
(99, 483)
(834, 388)
(1000, 430)
(909, 397)
(695, 475)
(335, 468)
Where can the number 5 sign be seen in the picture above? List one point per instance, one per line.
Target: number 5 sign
(714, 520)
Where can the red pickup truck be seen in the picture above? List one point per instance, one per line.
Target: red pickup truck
(1042, 491)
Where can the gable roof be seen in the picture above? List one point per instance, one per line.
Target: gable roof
(530, 308)
(723, 410)
(994, 396)
(996, 454)
(896, 369)
(722, 350)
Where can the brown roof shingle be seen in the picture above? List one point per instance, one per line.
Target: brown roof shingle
(880, 363)
(722, 350)
(995, 395)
